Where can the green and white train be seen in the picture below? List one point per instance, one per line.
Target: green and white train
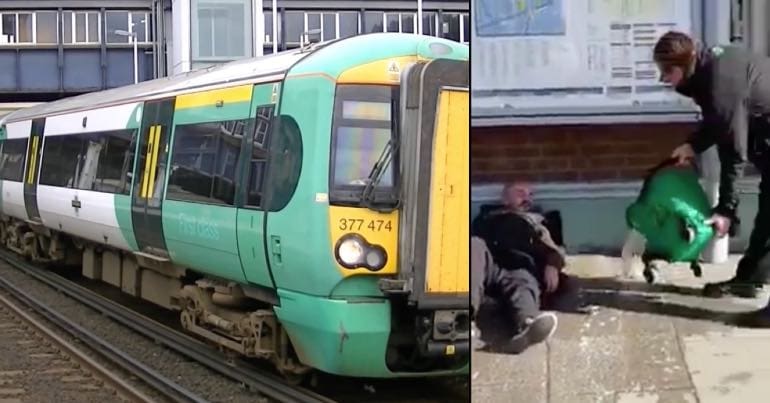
(305, 207)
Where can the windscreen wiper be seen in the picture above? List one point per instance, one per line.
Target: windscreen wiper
(375, 176)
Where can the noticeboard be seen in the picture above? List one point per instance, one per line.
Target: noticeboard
(573, 56)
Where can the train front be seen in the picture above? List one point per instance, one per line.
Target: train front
(398, 208)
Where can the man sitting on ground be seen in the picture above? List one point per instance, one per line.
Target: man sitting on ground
(505, 303)
(517, 229)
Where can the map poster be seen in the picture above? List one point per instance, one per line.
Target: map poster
(572, 53)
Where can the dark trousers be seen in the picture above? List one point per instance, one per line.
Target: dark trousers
(755, 263)
(506, 297)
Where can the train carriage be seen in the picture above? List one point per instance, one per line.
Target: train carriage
(302, 207)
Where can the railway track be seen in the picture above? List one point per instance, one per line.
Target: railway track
(253, 378)
(63, 364)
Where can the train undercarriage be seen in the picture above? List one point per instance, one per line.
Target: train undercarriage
(219, 312)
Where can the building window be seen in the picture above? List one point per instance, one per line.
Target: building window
(221, 29)
(131, 21)
(269, 28)
(373, 21)
(349, 24)
(400, 22)
(331, 25)
(82, 27)
(451, 26)
(466, 29)
(47, 27)
(295, 23)
(430, 23)
(17, 28)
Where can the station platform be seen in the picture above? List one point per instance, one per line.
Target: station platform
(628, 341)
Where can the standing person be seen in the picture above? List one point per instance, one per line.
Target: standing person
(732, 88)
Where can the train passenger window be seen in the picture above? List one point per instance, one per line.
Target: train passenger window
(285, 156)
(12, 159)
(113, 174)
(101, 161)
(259, 152)
(204, 161)
(61, 158)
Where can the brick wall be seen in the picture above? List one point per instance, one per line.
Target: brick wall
(571, 153)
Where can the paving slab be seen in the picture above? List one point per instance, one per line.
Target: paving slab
(628, 341)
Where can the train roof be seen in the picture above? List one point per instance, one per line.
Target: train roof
(328, 57)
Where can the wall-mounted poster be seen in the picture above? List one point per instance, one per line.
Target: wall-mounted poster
(572, 54)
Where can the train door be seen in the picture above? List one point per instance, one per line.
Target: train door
(434, 242)
(147, 198)
(252, 210)
(34, 151)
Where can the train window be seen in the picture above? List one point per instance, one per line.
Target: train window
(113, 174)
(62, 155)
(101, 161)
(363, 127)
(204, 161)
(12, 159)
(259, 152)
(285, 162)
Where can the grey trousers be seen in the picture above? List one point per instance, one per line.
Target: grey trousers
(501, 298)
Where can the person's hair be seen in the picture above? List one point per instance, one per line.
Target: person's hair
(675, 49)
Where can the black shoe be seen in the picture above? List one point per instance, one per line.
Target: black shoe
(731, 287)
(536, 330)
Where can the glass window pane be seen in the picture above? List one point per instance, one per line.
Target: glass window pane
(25, 28)
(93, 28)
(46, 27)
(9, 27)
(373, 21)
(139, 21)
(205, 27)
(407, 23)
(67, 22)
(348, 24)
(80, 27)
(116, 20)
(451, 26)
(392, 22)
(429, 24)
(330, 27)
(313, 21)
(223, 29)
(295, 23)
(466, 28)
(268, 27)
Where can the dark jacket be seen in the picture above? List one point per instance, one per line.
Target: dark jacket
(517, 241)
(732, 87)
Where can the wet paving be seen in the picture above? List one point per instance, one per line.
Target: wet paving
(622, 340)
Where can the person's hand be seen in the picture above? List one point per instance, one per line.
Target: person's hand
(720, 223)
(683, 154)
(551, 279)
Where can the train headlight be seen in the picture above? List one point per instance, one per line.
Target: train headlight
(376, 258)
(353, 251)
(350, 251)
